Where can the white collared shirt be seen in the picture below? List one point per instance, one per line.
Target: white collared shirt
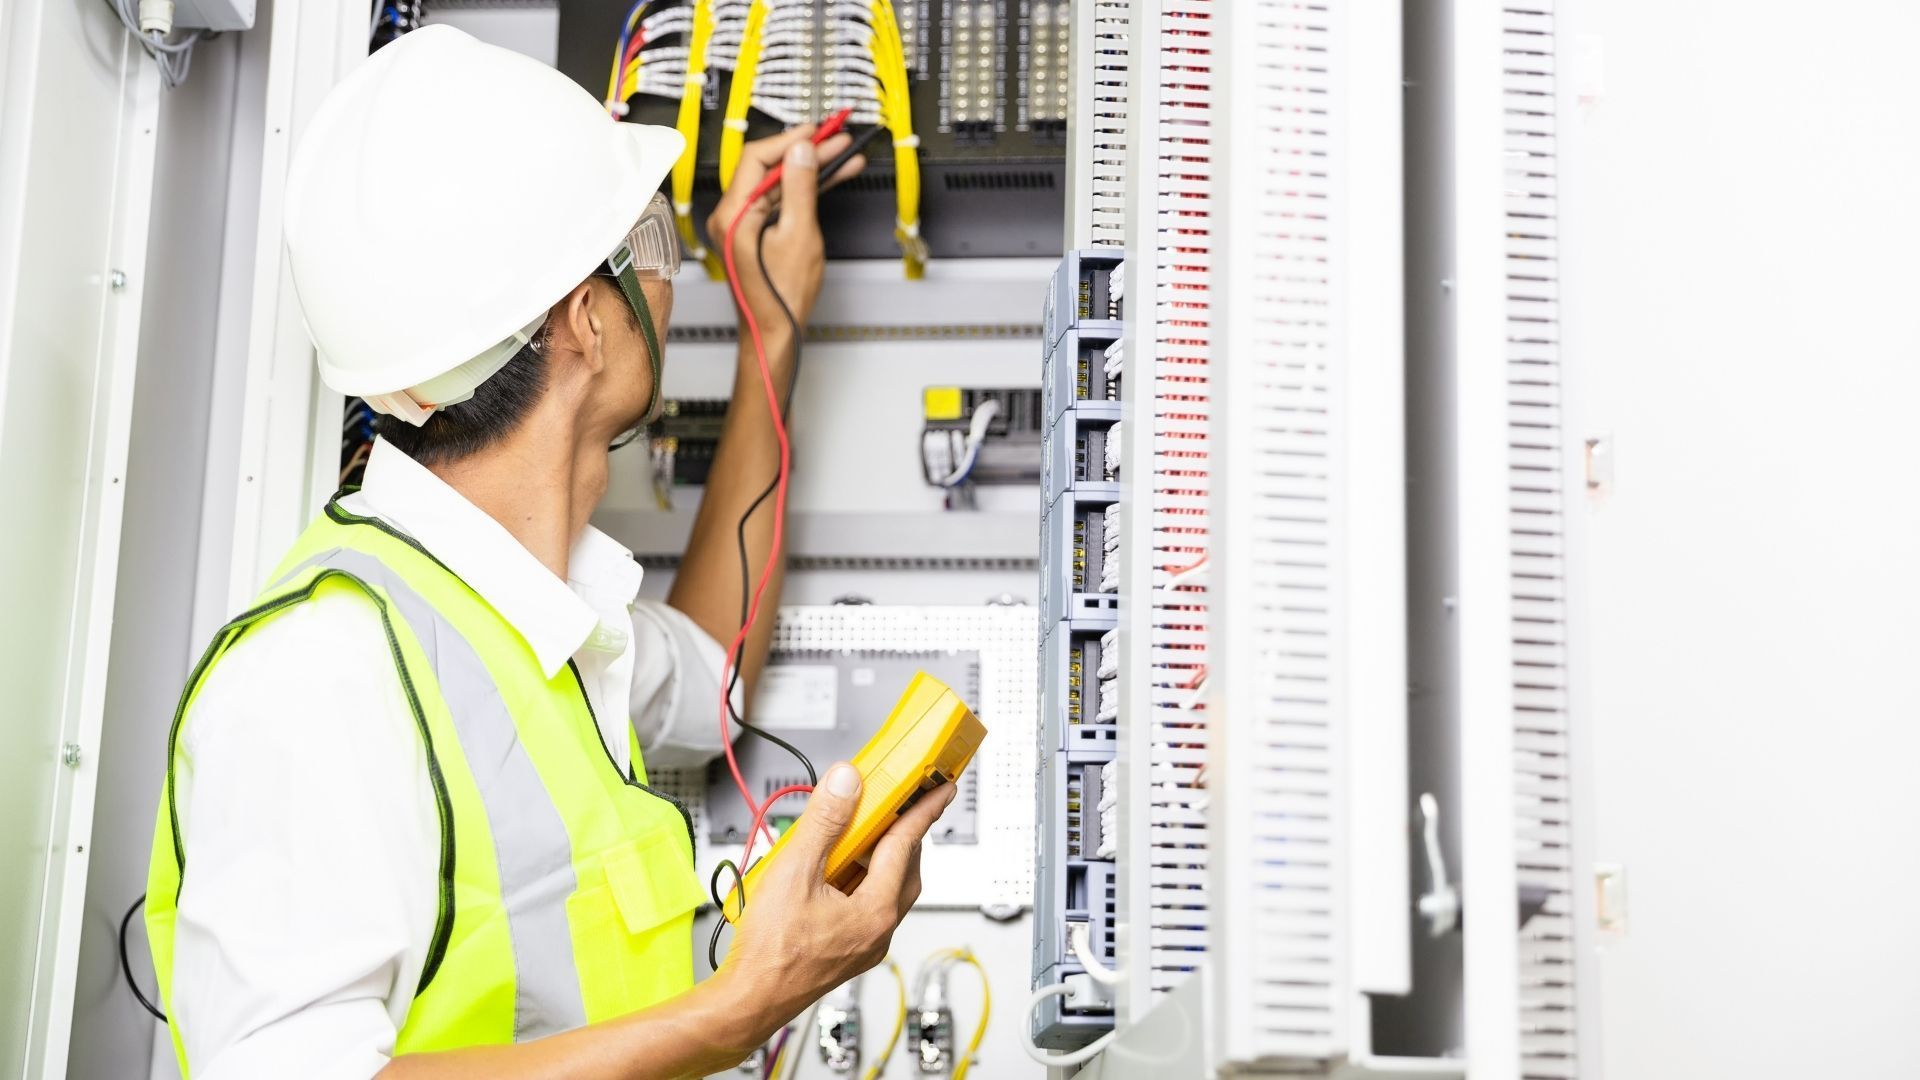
(303, 795)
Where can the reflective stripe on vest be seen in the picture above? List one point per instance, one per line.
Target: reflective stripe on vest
(529, 839)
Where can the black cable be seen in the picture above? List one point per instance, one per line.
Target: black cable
(740, 530)
(859, 143)
(740, 539)
(126, 966)
(720, 907)
(746, 589)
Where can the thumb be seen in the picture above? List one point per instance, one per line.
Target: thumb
(799, 185)
(829, 811)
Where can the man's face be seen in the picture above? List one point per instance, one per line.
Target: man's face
(628, 379)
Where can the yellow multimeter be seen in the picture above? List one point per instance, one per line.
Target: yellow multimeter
(927, 741)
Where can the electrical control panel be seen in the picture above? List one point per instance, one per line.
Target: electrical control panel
(1075, 889)
(987, 81)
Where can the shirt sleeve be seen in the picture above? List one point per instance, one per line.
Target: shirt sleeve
(676, 688)
(312, 844)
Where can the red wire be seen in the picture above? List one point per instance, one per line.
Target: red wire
(779, 505)
(760, 817)
(826, 130)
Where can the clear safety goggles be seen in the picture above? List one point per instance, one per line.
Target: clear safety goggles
(651, 247)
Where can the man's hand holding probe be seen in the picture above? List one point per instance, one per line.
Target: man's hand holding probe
(799, 937)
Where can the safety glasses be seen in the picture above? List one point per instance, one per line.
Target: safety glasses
(650, 252)
(651, 248)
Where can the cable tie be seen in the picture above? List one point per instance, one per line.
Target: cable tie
(696, 79)
(736, 123)
(910, 142)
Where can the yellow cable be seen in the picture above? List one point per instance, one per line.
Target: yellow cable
(614, 74)
(896, 111)
(733, 132)
(899, 1024)
(689, 127)
(631, 84)
(986, 1010)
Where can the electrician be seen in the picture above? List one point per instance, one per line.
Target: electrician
(406, 830)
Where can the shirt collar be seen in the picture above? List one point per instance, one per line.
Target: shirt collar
(555, 617)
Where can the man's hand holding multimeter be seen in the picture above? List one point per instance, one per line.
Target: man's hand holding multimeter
(806, 937)
(823, 905)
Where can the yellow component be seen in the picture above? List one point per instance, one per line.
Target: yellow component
(689, 126)
(964, 1061)
(942, 403)
(928, 740)
(899, 1024)
(746, 69)
(896, 112)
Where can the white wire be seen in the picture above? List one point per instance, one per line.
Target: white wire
(1058, 1061)
(1082, 946)
(983, 415)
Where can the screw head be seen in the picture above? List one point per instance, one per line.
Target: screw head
(118, 279)
(70, 754)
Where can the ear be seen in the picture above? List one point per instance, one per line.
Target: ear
(576, 328)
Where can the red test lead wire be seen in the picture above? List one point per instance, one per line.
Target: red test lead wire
(827, 130)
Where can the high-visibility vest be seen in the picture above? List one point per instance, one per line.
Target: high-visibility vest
(567, 887)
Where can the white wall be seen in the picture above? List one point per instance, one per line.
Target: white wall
(1741, 290)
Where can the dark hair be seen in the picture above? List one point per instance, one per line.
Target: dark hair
(495, 409)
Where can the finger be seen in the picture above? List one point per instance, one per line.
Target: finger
(910, 890)
(761, 155)
(822, 153)
(854, 167)
(829, 811)
(830, 147)
(895, 854)
(799, 183)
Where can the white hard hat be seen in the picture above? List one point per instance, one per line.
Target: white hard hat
(445, 196)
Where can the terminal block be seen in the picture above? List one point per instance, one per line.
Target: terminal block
(1075, 713)
(1074, 457)
(1085, 295)
(1074, 538)
(1074, 889)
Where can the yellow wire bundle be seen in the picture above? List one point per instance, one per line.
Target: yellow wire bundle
(614, 81)
(689, 127)
(896, 112)
(733, 132)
